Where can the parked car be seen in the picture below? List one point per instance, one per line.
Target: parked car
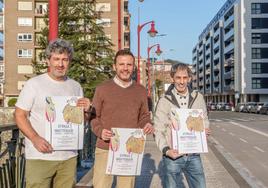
(228, 106)
(220, 106)
(239, 107)
(264, 109)
(256, 108)
(213, 106)
(248, 106)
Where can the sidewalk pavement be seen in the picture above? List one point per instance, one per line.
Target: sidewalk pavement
(216, 174)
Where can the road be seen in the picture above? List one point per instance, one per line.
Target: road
(243, 141)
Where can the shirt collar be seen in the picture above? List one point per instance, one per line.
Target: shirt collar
(118, 82)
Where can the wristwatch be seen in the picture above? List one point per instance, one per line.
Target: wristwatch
(165, 149)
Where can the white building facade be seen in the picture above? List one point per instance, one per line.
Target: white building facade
(230, 60)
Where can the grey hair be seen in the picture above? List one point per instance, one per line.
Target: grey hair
(59, 46)
(180, 66)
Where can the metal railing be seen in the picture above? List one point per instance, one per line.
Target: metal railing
(12, 157)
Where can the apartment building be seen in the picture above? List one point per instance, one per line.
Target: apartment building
(230, 59)
(20, 24)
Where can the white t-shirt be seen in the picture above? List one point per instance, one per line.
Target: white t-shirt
(32, 99)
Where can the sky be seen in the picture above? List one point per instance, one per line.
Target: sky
(182, 21)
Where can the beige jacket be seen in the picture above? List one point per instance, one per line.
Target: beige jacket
(162, 114)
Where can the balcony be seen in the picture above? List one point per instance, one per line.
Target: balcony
(216, 56)
(216, 78)
(229, 62)
(229, 48)
(126, 28)
(208, 90)
(216, 90)
(126, 44)
(229, 34)
(201, 83)
(207, 71)
(229, 75)
(208, 81)
(229, 20)
(40, 11)
(229, 88)
(217, 68)
(201, 74)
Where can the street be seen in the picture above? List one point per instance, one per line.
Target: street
(242, 139)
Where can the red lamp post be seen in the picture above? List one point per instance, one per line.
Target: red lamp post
(152, 32)
(158, 52)
(53, 19)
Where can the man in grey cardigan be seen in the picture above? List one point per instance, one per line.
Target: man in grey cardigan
(179, 95)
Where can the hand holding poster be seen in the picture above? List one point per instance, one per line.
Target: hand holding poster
(64, 123)
(188, 131)
(126, 152)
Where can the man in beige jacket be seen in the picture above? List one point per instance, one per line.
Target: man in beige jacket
(179, 95)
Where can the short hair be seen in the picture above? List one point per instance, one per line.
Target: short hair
(124, 52)
(182, 67)
(59, 46)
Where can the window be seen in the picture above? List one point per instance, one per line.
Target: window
(259, 23)
(39, 55)
(105, 22)
(255, 8)
(39, 24)
(256, 38)
(103, 7)
(25, 69)
(256, 53)
(25, 22)
(259, 38)
(25, 37)
(259, 53)
(259, 8)
(23, 5)
(25, 53)
(1, 22)
(260, 68)
(259, 83)
(40, 8)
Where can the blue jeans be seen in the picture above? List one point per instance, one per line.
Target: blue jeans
(190, 165)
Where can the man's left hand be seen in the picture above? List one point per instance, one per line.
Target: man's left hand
(85, 103)
(148, 129)
(207, 131)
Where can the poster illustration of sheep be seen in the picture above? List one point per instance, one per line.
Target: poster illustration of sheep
(188, 131)
(64, 123)
(126, 152)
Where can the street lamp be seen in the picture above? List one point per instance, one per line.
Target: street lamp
(152, 32)
(158, 52)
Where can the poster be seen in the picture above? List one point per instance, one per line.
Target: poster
(64, 123)
(188, 130)
(126, 152)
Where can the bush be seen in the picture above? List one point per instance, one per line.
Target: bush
(12, 102)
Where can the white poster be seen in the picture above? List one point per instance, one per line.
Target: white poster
(64, 123)
(188, 131)
(126, 152)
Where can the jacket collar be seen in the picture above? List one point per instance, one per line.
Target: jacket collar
(170, 96)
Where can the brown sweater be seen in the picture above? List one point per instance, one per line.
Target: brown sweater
(119, 107)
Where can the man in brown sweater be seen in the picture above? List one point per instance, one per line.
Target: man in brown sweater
(121, 103)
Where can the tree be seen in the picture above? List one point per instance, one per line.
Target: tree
(93, 57)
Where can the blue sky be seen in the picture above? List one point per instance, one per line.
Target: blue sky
(182, 21)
